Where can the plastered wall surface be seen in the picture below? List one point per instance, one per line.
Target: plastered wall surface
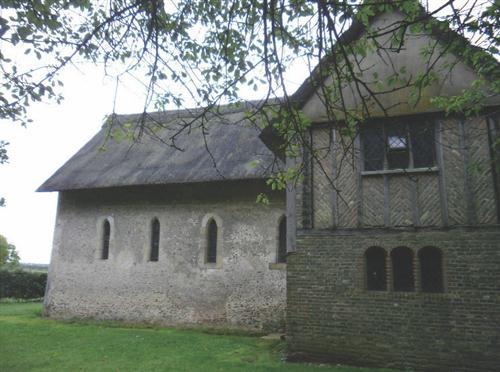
(416, 55)
(180, 289)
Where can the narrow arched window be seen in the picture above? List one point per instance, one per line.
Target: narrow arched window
(402, 269)
(212, 241)
(431, 269)
(281, 254)
(106, 235)
(376, 276)
(155, 240)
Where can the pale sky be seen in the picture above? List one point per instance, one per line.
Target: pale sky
(37, 151)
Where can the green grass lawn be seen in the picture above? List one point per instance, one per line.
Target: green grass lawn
(29, 342)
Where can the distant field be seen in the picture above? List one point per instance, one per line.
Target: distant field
(31, 343)
(35, 267)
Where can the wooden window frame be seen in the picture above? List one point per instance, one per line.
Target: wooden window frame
(406, 123)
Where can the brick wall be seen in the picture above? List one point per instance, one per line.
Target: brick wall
(331, 316)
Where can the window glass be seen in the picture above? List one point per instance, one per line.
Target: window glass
(398, 145)
(373, 148)
(105, 240)
(212, 242)
(398, 153)
(397, 142)
(155, 240)
(282, 242)
(423, 145)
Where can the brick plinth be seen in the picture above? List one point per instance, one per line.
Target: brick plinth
(331, 316)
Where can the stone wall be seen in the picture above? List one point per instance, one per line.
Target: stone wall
(331, 316)
(241, 290)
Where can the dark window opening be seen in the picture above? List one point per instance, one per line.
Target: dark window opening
(376, 278)
(431, 269)
(494, 139)
(398, 145)
(402, 270)
(423, 145)
(212, 242)
(155, 240)
(373, 148)
(282, 242)
(106, 234)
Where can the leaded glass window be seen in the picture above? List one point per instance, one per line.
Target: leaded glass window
(398, 145)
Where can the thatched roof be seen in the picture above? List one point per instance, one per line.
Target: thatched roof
(225, 146)
(229, 149)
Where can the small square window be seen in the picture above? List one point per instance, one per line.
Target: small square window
(397, 142)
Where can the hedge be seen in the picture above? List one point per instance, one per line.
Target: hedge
(22, 284)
